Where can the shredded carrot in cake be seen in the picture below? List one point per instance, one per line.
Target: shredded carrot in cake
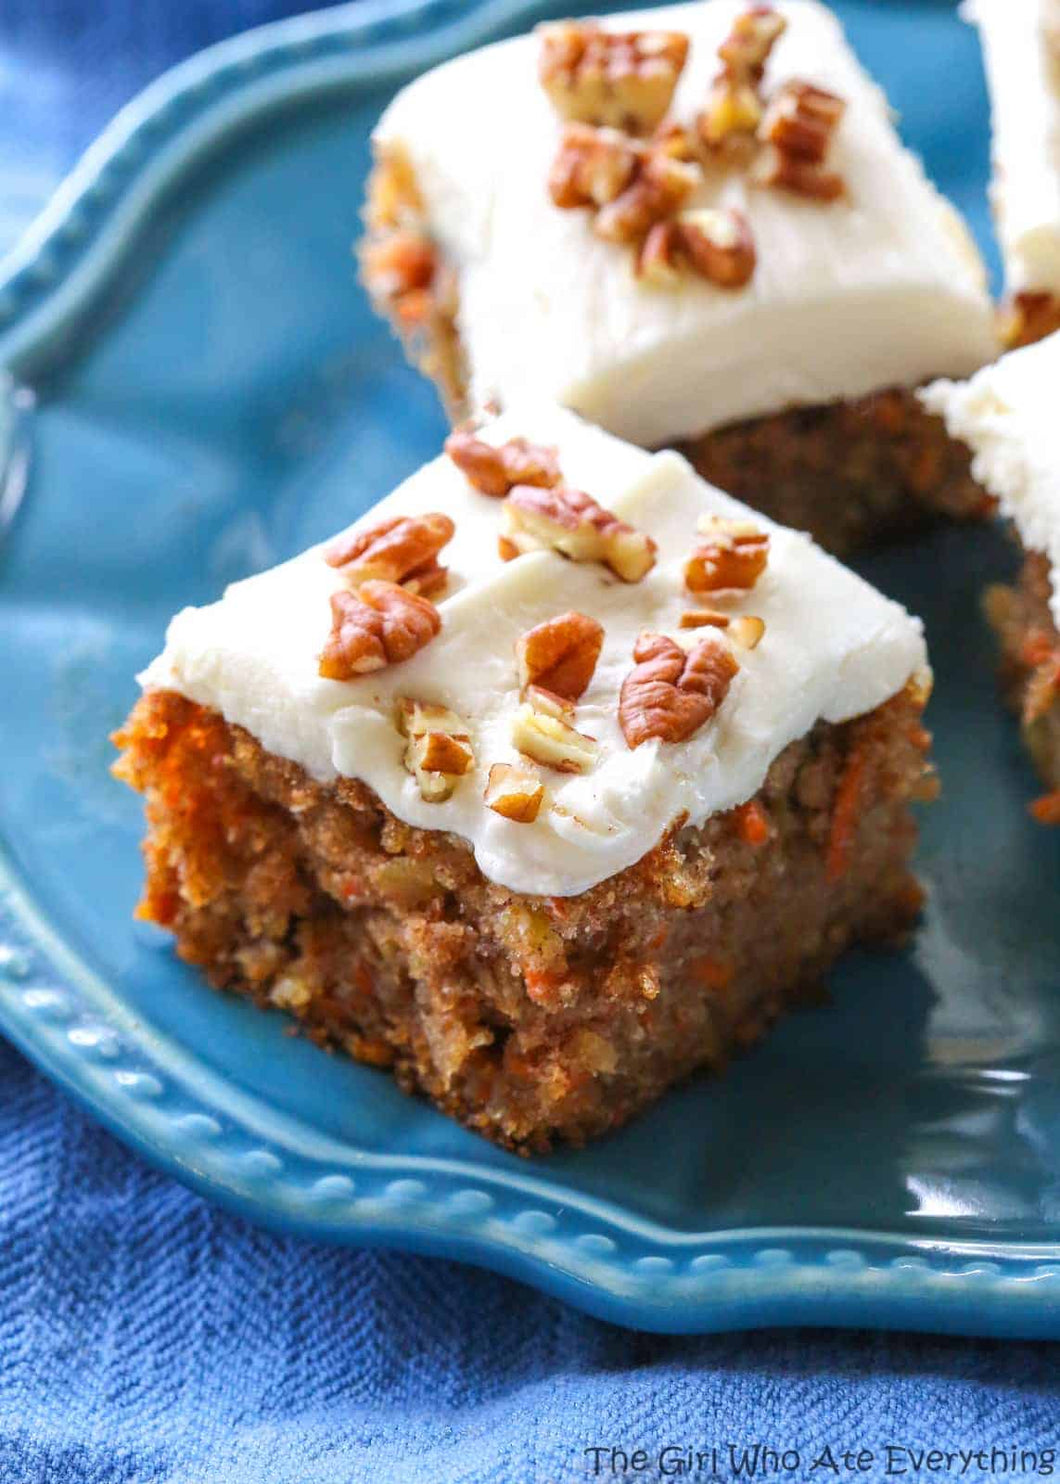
(1046, 810)
(845, 816)
(752, 823)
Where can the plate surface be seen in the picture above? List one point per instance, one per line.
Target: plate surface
(211, 394)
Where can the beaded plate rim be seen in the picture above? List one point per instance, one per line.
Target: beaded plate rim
(72, 1026)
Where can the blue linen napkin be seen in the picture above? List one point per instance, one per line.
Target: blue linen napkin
(145, 1336)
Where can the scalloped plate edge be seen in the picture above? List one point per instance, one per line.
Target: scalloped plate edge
(644, 1278)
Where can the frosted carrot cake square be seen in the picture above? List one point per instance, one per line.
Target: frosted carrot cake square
(552, 779)
(698, 228)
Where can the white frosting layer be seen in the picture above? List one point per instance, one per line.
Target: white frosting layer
(833, 649)
(1021, 47)
(1009, 415)
(884, 289)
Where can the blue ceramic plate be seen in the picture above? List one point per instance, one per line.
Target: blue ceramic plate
(210, 392)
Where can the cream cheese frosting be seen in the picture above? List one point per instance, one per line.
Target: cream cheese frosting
(833, 649)
(1021, 48)
(1007, 414)
(884, 288)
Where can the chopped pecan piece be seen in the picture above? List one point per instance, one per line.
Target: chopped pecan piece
(572, 523)
(514, 792)
(745, 630)
(560, 654)
(403, 550)
(734, 107)
(801, 120)
(715, 244)
(631, 185)
(1026, 317)
(439, 747)
(399, 263)
(790, 173)
(660, 186)
(732, 554)
(593, 166)
(541, 731)
(381, 624)
(494, 470)
(606, 77)
(669, 694)
(799, 126)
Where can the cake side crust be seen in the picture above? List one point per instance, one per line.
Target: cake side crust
(1030, 670)
(848, 472)
(530, 1019)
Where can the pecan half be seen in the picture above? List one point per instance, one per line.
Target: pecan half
(732, 554)
(403, 550)
(782, 172)
(560, 654)
(494, 470)
(626, 79)
(572, 523)
(514, 792)
(439, 747)
(593, 166)
(381, 624)
(715, 244)
(669, 694)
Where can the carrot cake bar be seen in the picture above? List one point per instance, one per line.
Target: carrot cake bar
(697, 227)
(551, 780)
(1021, 49)
(1008, 415)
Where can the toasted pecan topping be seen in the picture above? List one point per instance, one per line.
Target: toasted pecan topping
(494, 470)
(801, 120)
(439, 747)
(717, 245)
(399, 263)
(381, 624)
(514, 792)
(625, 79)
(541, 731)
(669, 694)
(729, 554)
(745, 629)
(734, 106)
(572, 523)
(630, 185)
(798, 128)
(560, 654)
(1027, 317)
(403, 550)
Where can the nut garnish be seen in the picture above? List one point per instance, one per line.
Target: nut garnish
(631, 185)
(670, 694)
(626, 79)
(572, 523)
(495, 470)
(745, 629)
(798, 126)
(734, 107)
(1026, 317)
(403, 550)
(560, 654)
(514, 792)
(715, 244)
(439, 748)
(381, 624)
(400, 263)
(732, 554)
(541, 731)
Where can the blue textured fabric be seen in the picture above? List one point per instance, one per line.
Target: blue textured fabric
(145, 1336)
